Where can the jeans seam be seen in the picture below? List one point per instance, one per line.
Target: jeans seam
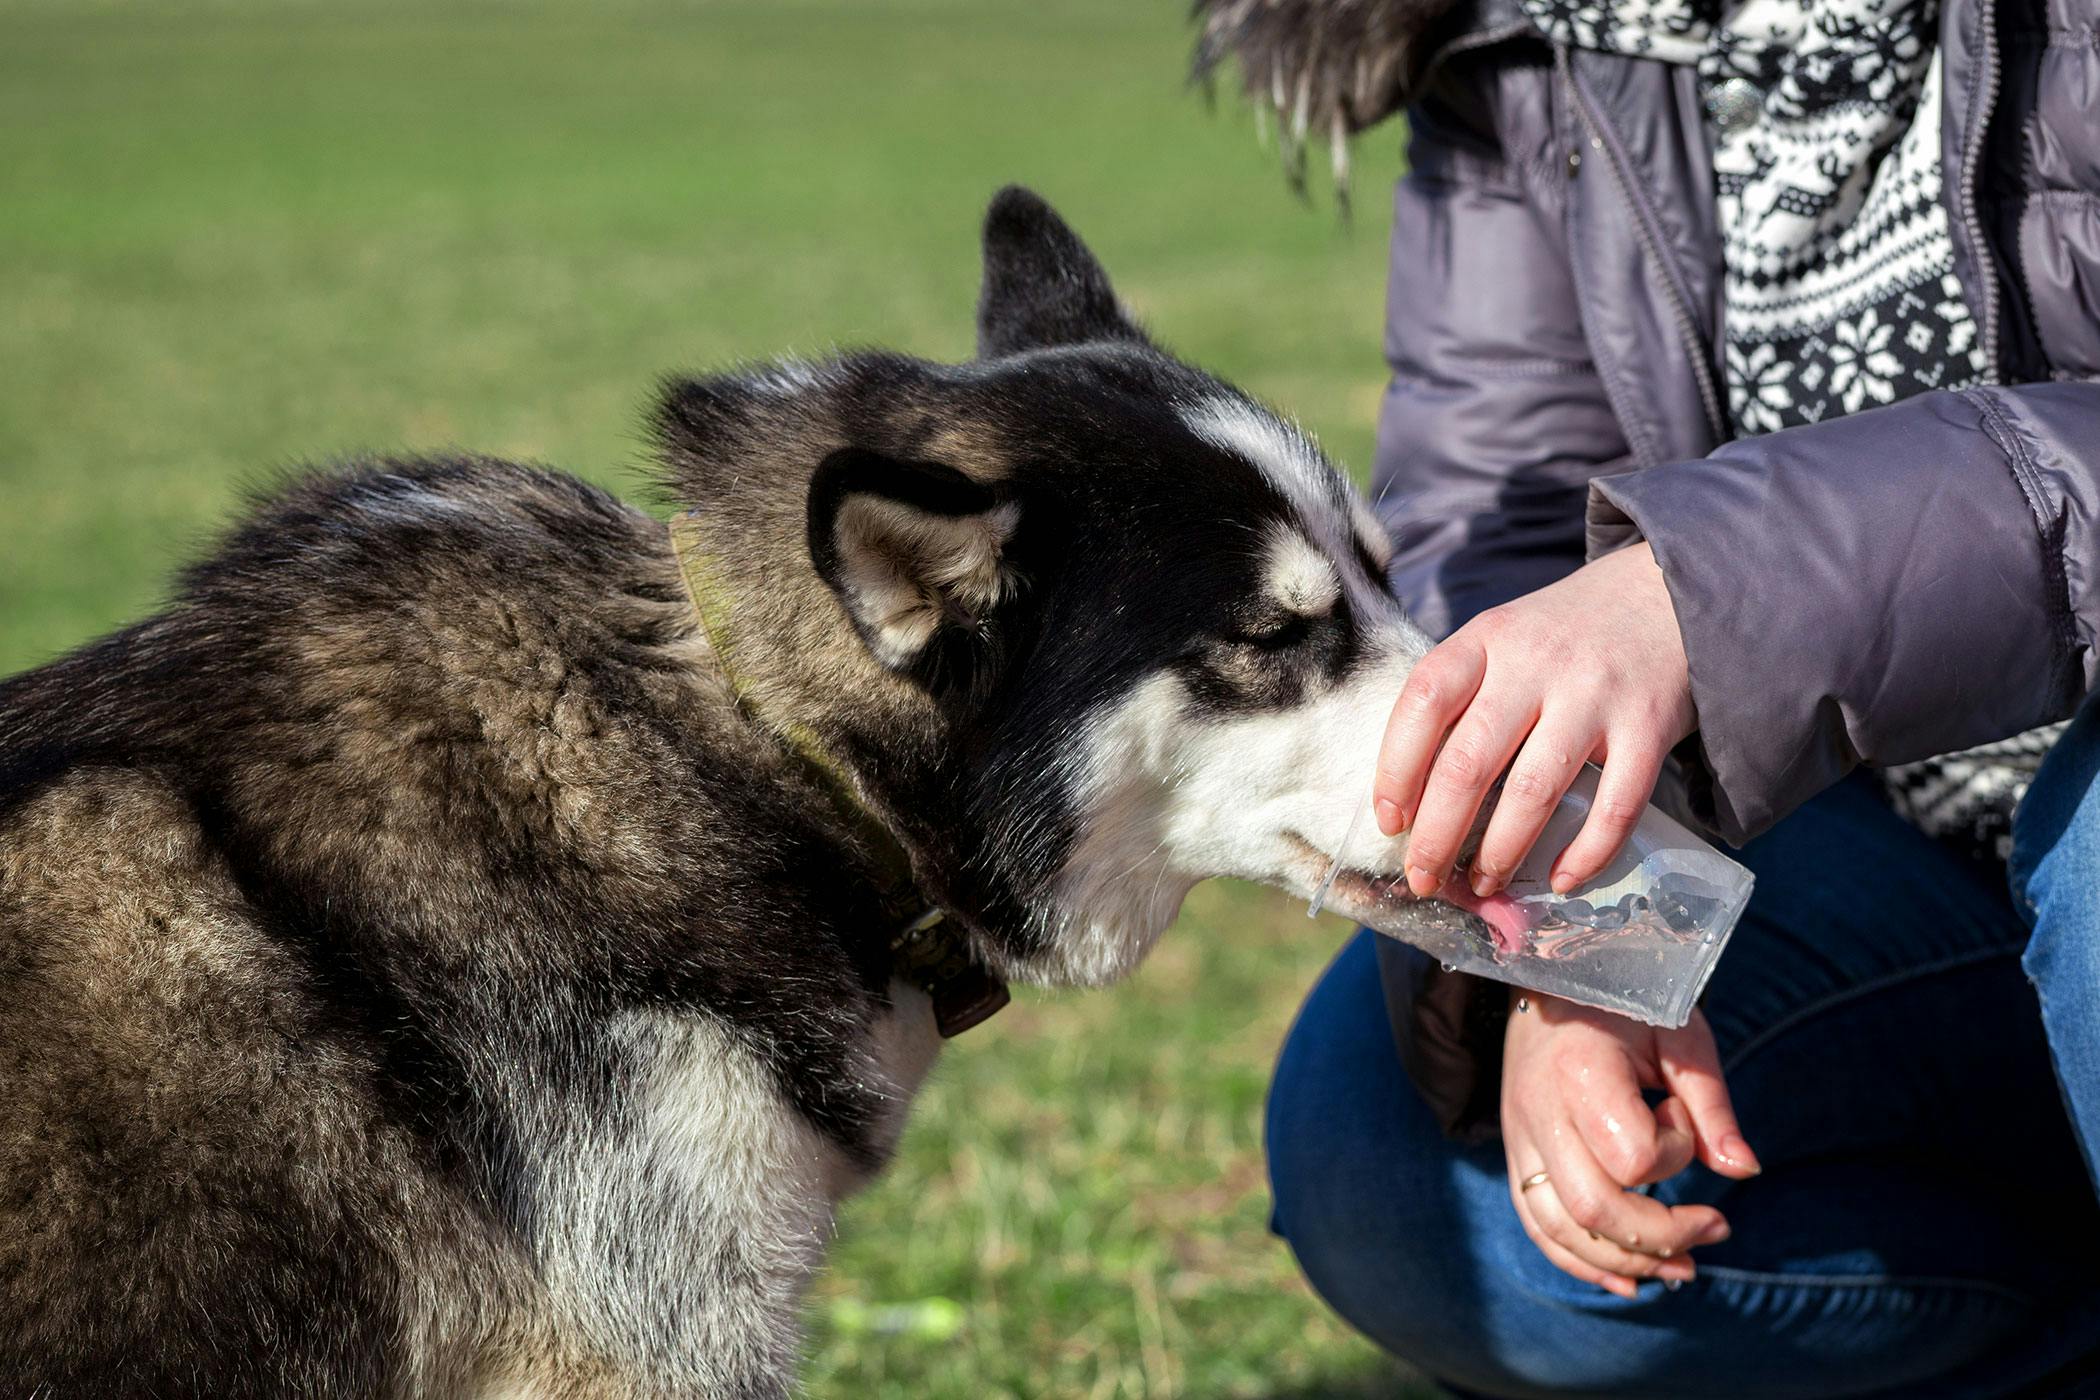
(1865, 1281)
(1879, 984)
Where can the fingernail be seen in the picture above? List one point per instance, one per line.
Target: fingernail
(1422, 882)
(1677, 1271)
(1388, 816)
(1563, 882)
(1737, 1152)
(1716, 1232)
(1483, 883)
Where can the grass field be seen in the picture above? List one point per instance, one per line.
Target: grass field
(238, 234)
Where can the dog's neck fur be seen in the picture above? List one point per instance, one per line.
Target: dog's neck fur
(924, 948)
(740, 458)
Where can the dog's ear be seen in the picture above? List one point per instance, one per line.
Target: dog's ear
(1041, 285)
(918, 555)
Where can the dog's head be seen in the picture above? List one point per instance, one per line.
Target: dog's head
(1086, 624)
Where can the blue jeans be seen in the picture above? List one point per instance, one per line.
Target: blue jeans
(1914, 1055)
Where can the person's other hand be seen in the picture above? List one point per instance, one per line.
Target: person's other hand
(1572, 1109)
(1591, 667)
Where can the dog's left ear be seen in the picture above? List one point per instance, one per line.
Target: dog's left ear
(1041, 285)
(917, 554)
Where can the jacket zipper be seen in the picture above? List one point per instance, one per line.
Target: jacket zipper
(1651, 244)
(1971, 170)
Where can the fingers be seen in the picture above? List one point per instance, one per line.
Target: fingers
(1558, 1232)
(1567, 1262)
(1691, 1070)
(1624, 1136)
(1677, 1145)
(1467, 766)
(1437, 692)
(1595, 1082)
(1592, 1255)
(1537, 780)
(1597, 1220)
(1519, 1150)
(1630, 771)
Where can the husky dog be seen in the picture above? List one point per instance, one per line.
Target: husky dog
(472, 938)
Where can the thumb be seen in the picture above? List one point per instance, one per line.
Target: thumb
(1676, 1144)
(1691, 1071)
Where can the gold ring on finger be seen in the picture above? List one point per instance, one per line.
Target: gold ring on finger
(1535, 1179)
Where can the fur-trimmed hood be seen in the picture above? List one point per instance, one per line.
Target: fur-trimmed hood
(1323, 68)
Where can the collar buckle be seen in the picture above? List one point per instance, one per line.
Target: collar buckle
(930, 953)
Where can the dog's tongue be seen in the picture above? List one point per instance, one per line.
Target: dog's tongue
(1503, 915)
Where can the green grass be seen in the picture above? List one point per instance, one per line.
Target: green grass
(236, 234)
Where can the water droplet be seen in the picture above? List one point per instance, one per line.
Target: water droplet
(1673, 1284)
(1448, 967)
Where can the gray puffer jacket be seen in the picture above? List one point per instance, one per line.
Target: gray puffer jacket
(1873, 589)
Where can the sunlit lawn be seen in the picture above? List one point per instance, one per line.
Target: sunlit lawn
(239, 235)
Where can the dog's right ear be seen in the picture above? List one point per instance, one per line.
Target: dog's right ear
(917, 554)
(1041, 285)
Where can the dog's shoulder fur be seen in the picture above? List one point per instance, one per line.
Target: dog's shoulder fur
(418, 801)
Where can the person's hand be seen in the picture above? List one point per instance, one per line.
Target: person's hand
(1575, 1125)
(1591, 667)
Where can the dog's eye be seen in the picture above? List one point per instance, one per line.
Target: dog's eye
(1275, 633)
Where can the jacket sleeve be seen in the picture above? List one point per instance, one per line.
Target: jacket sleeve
(1879, 588)
(1495, 419)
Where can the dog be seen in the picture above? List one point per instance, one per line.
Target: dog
(470, 940)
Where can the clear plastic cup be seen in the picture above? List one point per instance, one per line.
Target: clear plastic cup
(1641, 939)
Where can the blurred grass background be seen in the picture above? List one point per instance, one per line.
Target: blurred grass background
(238, 234)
